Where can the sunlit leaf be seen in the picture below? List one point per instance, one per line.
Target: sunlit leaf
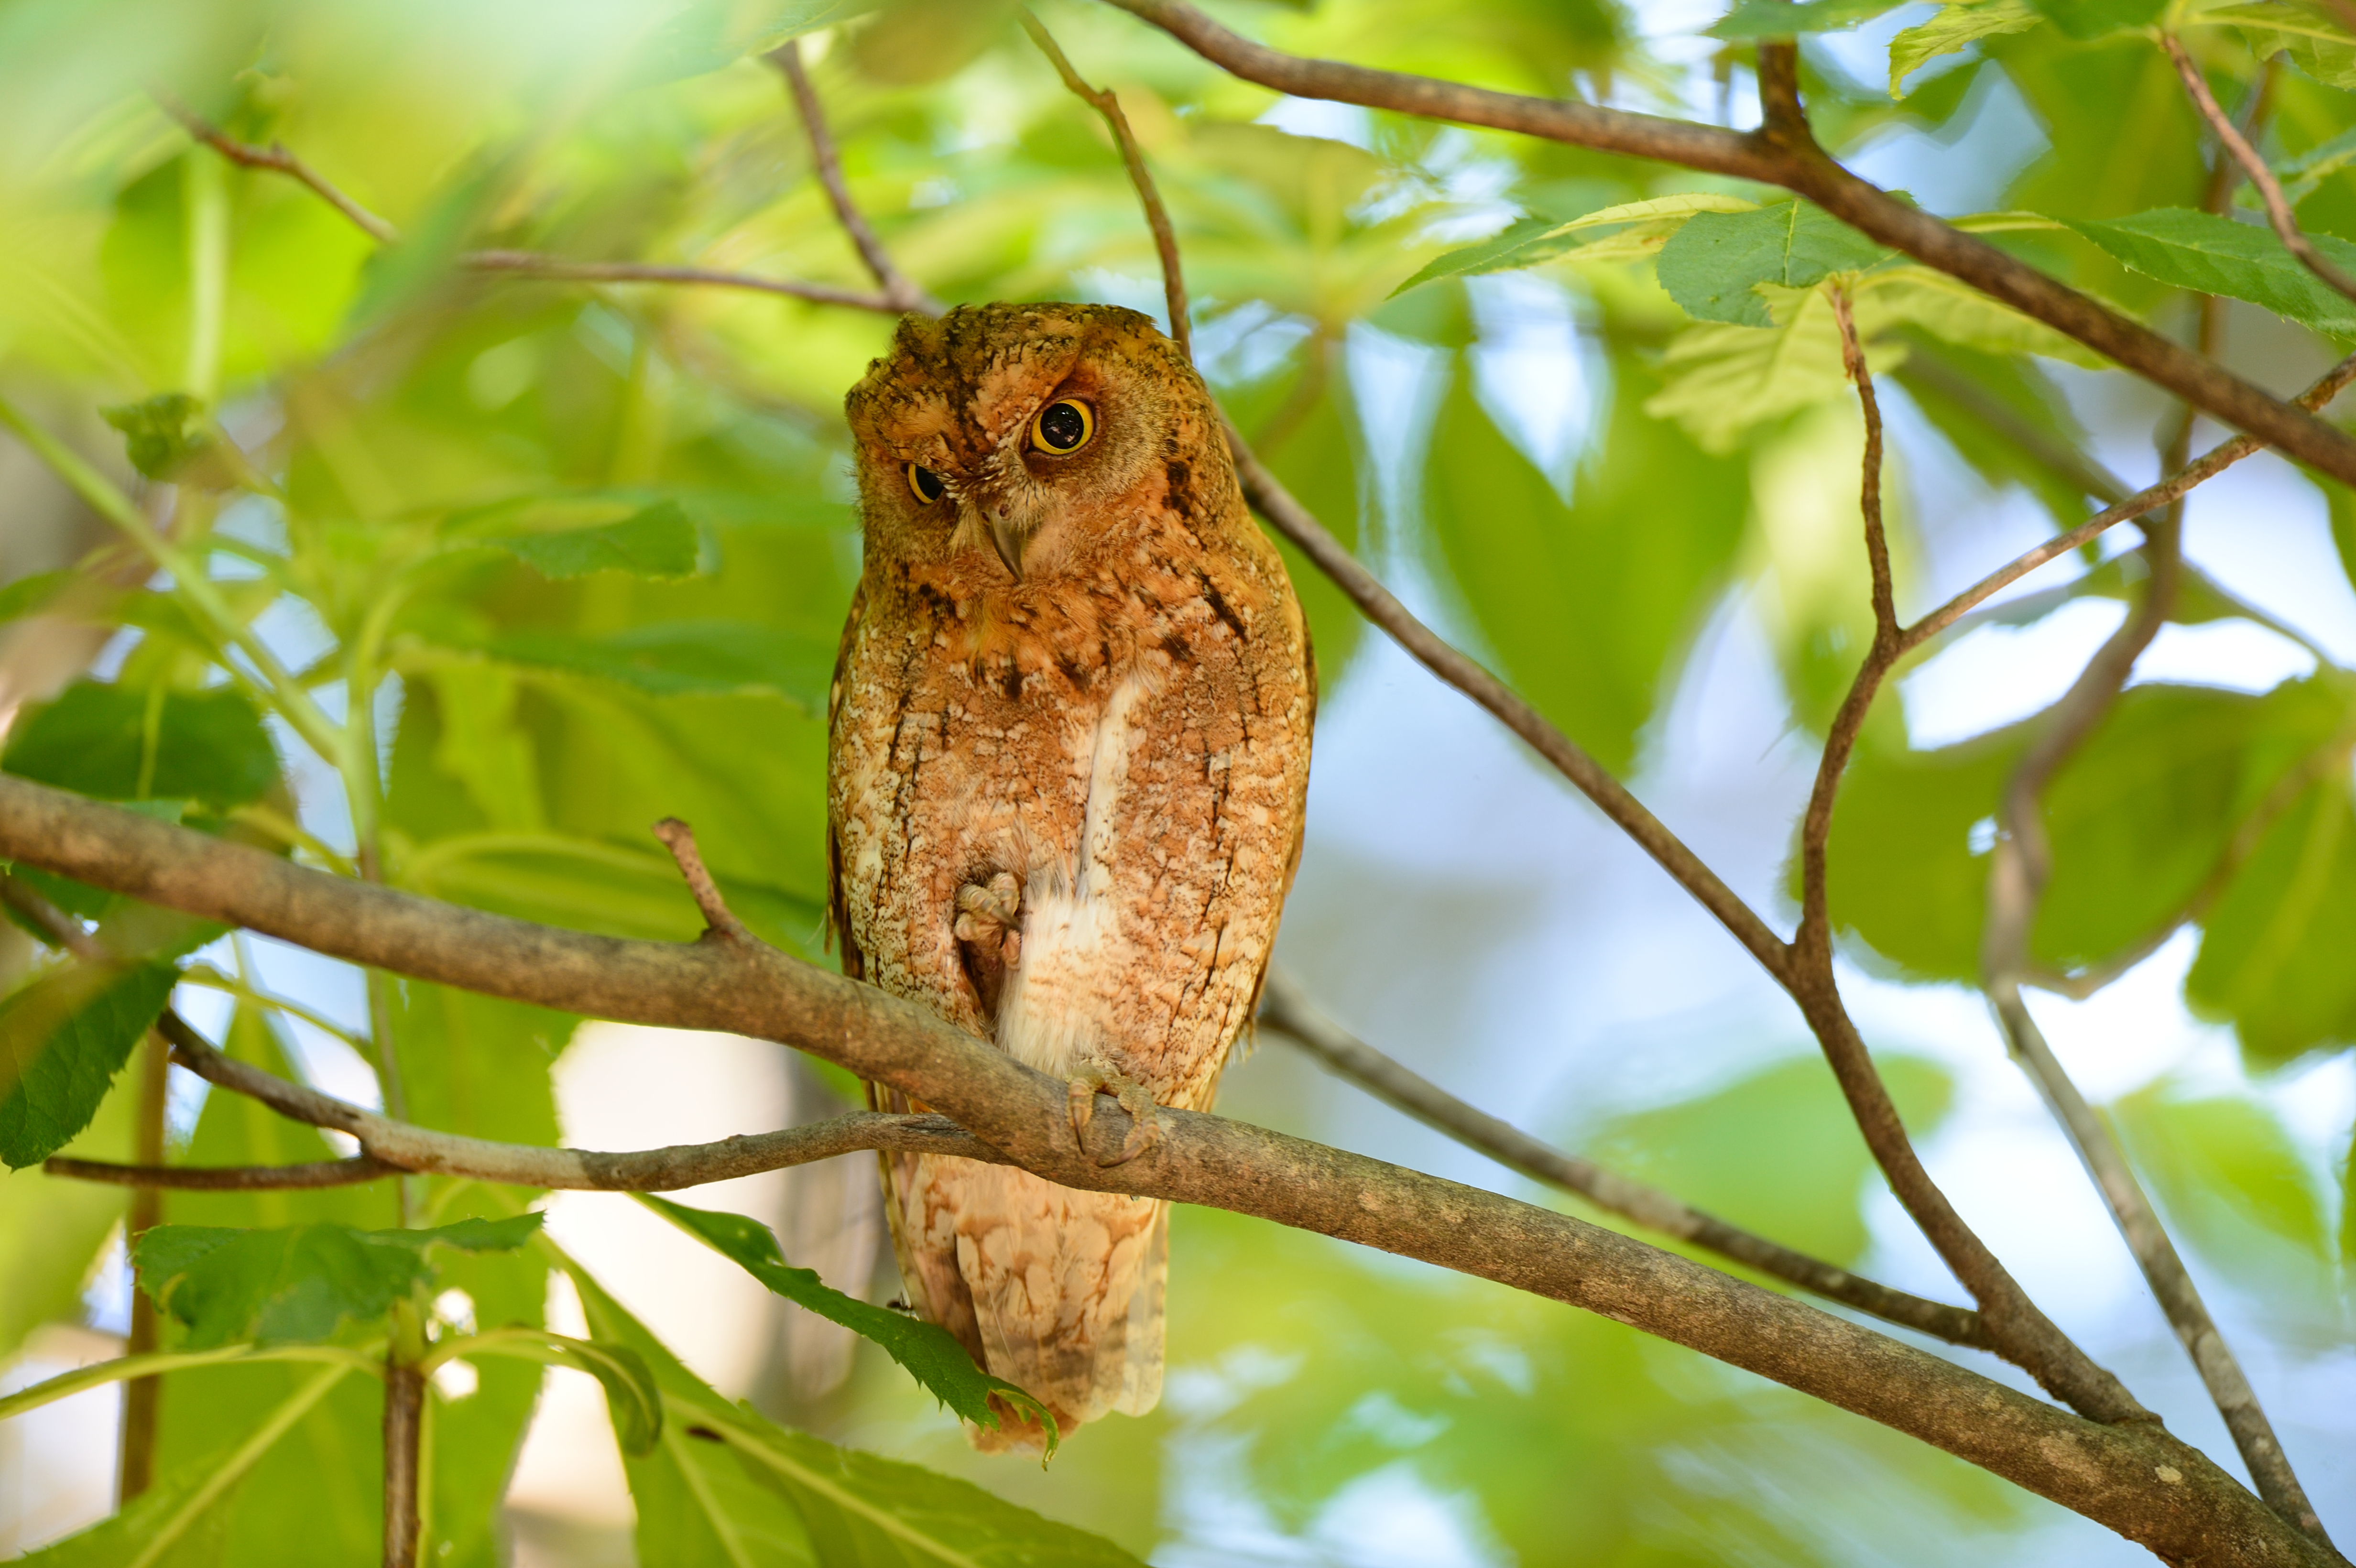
(2222, 1165)
(2096, 18)
(2215, 255)
(1955, 27)
(117, 741)
(1714, 263)
(63, 1037)
(2274, 959)
(299, 1285)
(725, 1485)
(1533, 240)
(930, 1353)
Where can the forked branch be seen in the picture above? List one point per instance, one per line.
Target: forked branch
(900, 292)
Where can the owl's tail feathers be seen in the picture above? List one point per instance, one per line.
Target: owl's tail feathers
(1094, 1345)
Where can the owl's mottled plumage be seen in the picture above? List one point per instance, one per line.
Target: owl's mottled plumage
(1107, 755)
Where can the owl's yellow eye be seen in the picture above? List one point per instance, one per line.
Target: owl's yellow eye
(925, 483)
(1063, 426)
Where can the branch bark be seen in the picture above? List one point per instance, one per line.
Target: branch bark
(2135, 1478)
(1287, 1010)
(1776, 155)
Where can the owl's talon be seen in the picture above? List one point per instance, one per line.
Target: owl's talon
(1144, 1130)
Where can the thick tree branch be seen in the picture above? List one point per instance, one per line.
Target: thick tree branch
(1285, 1009)
(1107, 103)
(899, 292)
(1777, 157)
(2237, 148)
(2135, 1478)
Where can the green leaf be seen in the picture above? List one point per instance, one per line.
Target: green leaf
(930, 1353)
(660, 542)
(2098, 18)
(1783, 19)
(1721, 382)
(31, 595)
(1941, 381)
(669, 658)
(96, 739)
(2224, 1165)
(631, 1396)
(1709, 1150)
(1589, 605)
(2304, 174)
(1712, 265)
(2273, 960)
(1641, 228)
(1955, 27)
(708, 35)
(725, 1486)
(162, 433)
(63, 1037)
(2323, 51)
(298, 1284)
(2209, 254)
(2140, 818)
(184, 1519)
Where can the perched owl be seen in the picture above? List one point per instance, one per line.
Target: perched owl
(1068, 758)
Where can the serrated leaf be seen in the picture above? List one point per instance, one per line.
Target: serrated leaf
(929, 1352)
(672, 658)
(2323, 51)
(726, 1486)
(1784, 19)
(2302, 175)
(160, 434)
(301, 1284)
(63, 1037)
(1643, 227)
(1955, 28)
(2209, 254)
(96, 739)
(1718, 382)
(660, 542)
(1713, 265)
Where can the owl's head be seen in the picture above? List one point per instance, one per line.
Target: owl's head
(1011, 443)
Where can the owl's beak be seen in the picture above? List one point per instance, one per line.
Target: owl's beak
(1010, 538)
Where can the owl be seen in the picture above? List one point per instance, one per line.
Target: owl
(1068, 762)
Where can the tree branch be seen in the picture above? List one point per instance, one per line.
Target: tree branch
(1285, 1009)
(225, 1178)
(2237, 147)
(1107, 103)
(899, 292)
(1799, 166)
(278, 160)
(2135, 1478)
(2019, 1331)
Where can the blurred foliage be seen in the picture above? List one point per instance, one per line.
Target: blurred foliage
(536, 563)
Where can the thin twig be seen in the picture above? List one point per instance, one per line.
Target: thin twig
(277, 159)
(524, 264)
(533, 264)
(2270, 189)
(2020, 1333)
(2205, 467)
(143, 1397)
(1775, 158)
(225, 1178)
(900, 292)
(405, 1421)
(719, 920)
(1285, 1009)
(2019, 868)
(1107, 103)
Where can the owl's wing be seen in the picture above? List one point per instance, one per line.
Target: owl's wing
(838, 918)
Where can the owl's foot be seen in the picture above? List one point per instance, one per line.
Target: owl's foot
(1091, 1075)
(986, 917)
